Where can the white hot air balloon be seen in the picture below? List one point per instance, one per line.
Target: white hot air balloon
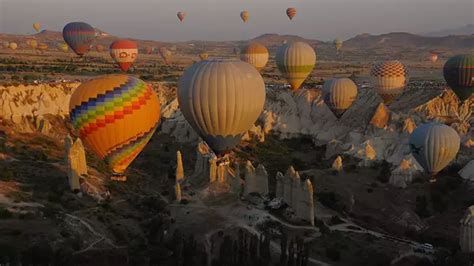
(434, 146)
(221, 99)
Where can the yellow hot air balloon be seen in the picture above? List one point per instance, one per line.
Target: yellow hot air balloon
(244, 15)
(255, 54)
(32, 43)
(295, 60)
(63, 47)
(291, 12)
(221, 99)
(37, 26)
(339, 94)
(165, 54)
(338, 44)
(115, 115)
(203, 56)
(389, 79)
(13, 46)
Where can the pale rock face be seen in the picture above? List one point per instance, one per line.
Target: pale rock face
(408, 125)
(468, 171)
(296, 193)
(256, 180)
(466, 236)
(35, 100)
(404, 173)
(381, 116)
(76, 164)
(255, 133)
(208, 167)
(337, 164)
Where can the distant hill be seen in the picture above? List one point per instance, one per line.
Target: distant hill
(463, 30)
(276, 39)
(408, 40)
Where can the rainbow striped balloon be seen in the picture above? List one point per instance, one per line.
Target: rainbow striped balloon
(115, 115)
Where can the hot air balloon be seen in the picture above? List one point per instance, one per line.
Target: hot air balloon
(291, 12)
(99, 48)
(434, 146)
(433, 57)
(79, 36)
(244, 15)
(339, 94)
(181, 16)
(13, 46)
(37, 26)
(148, 50)
(295, 60)
(124, 53)
(63, 47)
(32, 43)
(166, 55)
(389, 79)
(221, 99)
(115, 115)
(203, 55)
(5, 44)
(236, 50)
(42, 47)
(255, 54)
(458, 72)
(338, 44)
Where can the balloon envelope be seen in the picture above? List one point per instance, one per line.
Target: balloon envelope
(434, 146)
(295, 60)
(221, 99)
(244, 15)
(181, 16)
(255, 54)
(291, 12)
(458, 72)
(166, 55)
(124, 53)
(115, 115)
(339, 94)
(37, 26)
(79, 36)
(338, 44)
(433, 58)
(32, 43)
(389, 79)
(13, 45)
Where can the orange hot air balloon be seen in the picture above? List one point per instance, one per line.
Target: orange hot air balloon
(244, 15)
(42, 47)
(291, 12)
(115, 115)
(124, 53)
(181, 15)
(37, 26)
(433, 57)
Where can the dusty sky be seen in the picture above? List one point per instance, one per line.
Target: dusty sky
(219, 19)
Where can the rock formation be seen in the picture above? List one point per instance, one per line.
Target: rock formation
(404, 173)
(256, 180)
(209, 168)
(179, 167)
(468, 171)
(466, 231)
(296, 193)
(177, 191)
(381, 116)
(76, 164)
(409, 125)
(337, 164)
